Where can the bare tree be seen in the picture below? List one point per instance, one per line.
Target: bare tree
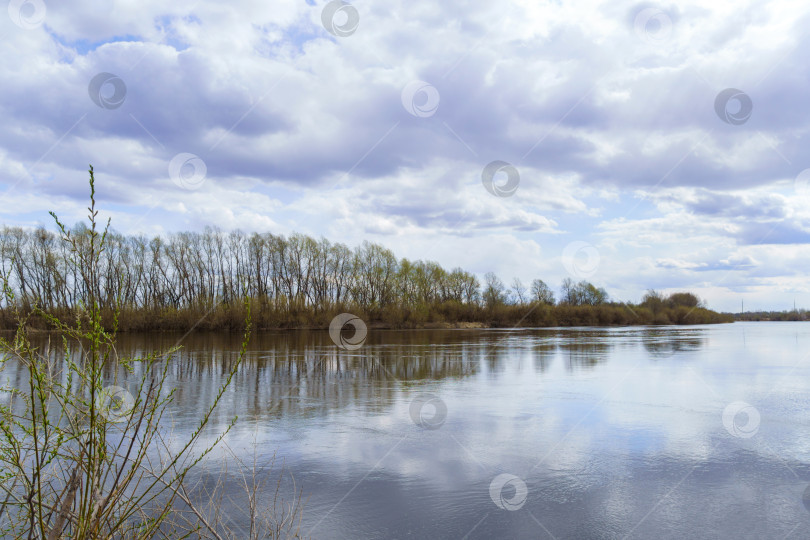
(519, 290)
(541, 292)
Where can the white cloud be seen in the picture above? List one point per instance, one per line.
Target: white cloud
(615, 135)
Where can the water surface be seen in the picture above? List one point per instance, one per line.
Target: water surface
(615, 433)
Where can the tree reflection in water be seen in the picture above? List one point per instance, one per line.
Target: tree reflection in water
(302, 374)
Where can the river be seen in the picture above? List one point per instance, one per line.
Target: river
(587, 433)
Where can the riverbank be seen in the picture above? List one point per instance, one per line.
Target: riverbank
(444, 315)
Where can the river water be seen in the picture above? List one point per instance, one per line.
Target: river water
(664, 432)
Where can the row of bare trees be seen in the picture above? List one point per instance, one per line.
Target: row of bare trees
(199, 270)
(189, 278)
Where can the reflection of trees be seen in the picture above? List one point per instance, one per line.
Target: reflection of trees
(544, 353)
(299, 374)
(585, 348)
(303, 374)
(666, 342)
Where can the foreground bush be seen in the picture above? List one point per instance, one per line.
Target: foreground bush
(85, 451)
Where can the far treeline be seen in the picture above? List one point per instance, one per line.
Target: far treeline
(200, 280)
(191, 278)
(794, 315)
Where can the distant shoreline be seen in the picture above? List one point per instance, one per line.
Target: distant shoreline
(189, 280)
(446, 315)
(771, 320)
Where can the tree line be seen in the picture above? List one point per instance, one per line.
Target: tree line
(792, 315)
(172, 282)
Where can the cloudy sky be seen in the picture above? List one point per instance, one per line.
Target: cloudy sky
(635, 145)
